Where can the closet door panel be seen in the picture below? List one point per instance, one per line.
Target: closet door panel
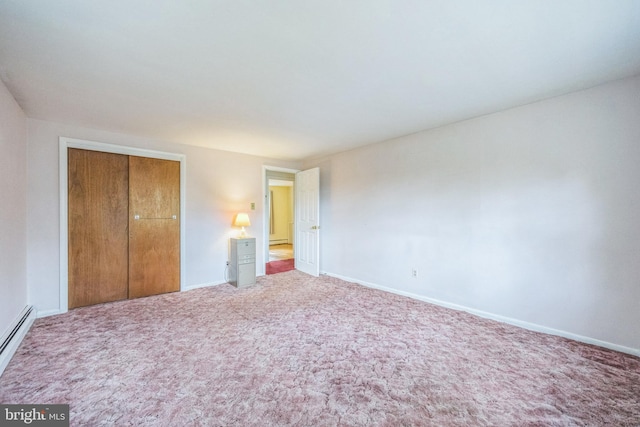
(98, 199)
(154, 224)
(154, 187)
(154, 261)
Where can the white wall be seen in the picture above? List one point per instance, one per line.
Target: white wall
(13, 213)
(218, 185)
(531, 214)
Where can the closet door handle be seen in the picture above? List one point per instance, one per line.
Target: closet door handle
(137, 217)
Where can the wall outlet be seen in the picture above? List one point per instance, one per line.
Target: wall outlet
(414, 273)
(253, 206)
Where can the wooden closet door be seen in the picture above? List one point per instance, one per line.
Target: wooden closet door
(154, 226)
(98, 202)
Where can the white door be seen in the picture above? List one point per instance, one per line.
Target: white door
(307, 258)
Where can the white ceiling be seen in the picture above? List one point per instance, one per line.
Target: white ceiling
(294, 79)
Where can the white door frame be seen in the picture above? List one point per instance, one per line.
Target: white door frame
(265, 220)
(64, 144)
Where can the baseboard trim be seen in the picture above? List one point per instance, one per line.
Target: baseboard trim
(278, 242)
(47, 313)
(54, 311)
(14, 337)
(202, 285)
(503, 319)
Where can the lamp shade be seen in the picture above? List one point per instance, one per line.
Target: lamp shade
(242, 220)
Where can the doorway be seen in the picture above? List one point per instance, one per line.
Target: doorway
(280, 221)
(305, 230)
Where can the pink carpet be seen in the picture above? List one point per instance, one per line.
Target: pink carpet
(295, 350)
(281, 266)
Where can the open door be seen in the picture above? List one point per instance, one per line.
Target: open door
(307, 199)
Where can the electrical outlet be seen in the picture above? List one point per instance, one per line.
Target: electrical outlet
(227, 262)
(253, 206)
(414, 273)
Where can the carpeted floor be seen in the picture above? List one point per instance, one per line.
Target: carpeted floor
(300, 351)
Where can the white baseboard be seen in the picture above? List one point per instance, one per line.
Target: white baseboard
(54, 311)
(202, 285)
(47, 313)
(14, 336)
(511, 321)
(279, 242)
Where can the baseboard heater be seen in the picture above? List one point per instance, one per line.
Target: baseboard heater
(14, 337)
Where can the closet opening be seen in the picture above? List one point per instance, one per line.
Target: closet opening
(109, 192)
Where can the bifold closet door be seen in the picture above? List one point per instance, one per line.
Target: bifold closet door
(154, 226)
(98, 190)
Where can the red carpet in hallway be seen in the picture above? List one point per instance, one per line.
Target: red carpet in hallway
(281, 266)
